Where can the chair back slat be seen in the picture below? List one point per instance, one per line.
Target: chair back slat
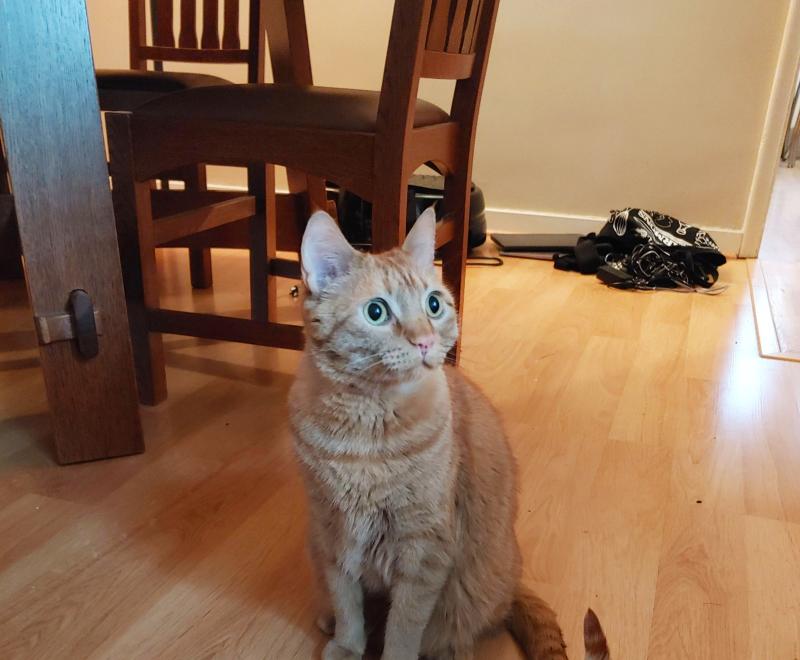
(470, 29)
(453, 26)
(162, 23)
(187, 37)
(210, 38)
(455, 32)
(230, 31)
(438, 28)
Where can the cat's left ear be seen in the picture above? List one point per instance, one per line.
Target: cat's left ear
(420, 243)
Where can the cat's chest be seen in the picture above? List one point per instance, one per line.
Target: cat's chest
(363, 486)
(369, 546)
(378, 458)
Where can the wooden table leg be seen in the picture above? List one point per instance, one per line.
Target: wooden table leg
(51, 125)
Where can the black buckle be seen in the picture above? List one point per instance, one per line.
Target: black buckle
(83, 323)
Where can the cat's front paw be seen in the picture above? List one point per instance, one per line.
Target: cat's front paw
(335, 652)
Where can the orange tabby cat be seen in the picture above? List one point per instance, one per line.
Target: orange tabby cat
(410, 479)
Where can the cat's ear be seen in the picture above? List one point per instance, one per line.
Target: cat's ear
(325, 253)
(420, 243)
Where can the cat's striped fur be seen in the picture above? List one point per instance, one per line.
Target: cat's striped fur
(410, 479)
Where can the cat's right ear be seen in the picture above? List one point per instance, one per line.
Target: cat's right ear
(325, 253)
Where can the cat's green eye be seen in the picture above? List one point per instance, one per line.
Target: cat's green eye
(376, 311)
(434, 305)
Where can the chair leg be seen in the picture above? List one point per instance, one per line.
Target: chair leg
(457, 189)
(271, 228)
(199, 258)
(200, 268)
(312, 186)
(133, 212)
(389, 213)
(262, 232)
(148, 356)
(150, 345)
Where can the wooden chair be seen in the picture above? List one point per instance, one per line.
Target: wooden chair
(125, 89)
(367, 142)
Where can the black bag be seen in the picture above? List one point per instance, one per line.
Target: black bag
(647, 250)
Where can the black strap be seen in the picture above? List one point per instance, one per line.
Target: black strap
(588, 257)
(615, 277)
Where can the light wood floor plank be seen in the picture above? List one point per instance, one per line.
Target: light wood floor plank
(701, 605)
(773, 578)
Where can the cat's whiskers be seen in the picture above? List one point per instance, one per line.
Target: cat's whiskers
(355, 361)
(370, 365)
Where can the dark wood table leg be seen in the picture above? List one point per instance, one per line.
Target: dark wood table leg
(51, 125)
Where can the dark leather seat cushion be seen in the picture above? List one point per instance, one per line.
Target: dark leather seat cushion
(125, 89)
(283, 105)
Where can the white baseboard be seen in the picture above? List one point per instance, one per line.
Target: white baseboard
(513, 221)
(510, 221)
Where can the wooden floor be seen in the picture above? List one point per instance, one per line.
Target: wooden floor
(660, 482)
(775, 275)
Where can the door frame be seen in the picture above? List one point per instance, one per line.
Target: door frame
(771, 143)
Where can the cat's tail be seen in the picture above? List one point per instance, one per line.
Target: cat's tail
(533, 624)
(594, 638)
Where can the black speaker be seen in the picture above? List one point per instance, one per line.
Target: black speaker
(355, 214)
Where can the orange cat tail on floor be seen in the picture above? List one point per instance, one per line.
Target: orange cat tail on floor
(533, 624)
(594, 638)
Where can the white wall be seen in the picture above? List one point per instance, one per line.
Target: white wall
(588, 105)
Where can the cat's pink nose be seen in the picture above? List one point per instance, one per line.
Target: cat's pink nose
(424, 343)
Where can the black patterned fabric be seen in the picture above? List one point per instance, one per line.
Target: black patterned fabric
(647, 250)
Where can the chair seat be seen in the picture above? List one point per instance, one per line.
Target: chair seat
(327, 108)
(126, 89)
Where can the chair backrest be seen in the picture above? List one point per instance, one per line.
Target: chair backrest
(452, 37)
(210, 46)
(448, 39)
